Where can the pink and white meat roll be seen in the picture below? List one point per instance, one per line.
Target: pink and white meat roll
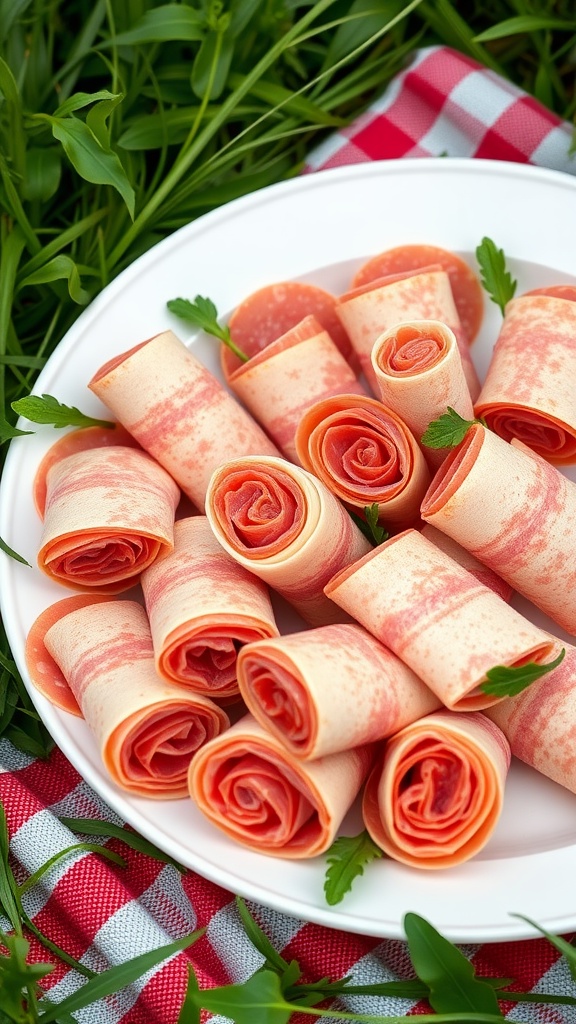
(282, 381)
(435, 796)
(528, 393)
(330, 689)
(285, 526)
(178, 411)
(251, 788)
(203, 606)
(540, 722)
(419, 372)
(365, 454)
(448, 627)
(375, 307)
(482, 573)
(513, 511)
(97, 660)
(108, 515)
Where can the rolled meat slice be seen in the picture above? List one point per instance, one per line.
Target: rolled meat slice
(203, 606)
(286, 527)
(329, 689)
(513, 511)
(146, 730)
(434, 798)
(364, 453)
(539, 722)
(273, 310)
(446, 625)
(109, 514)
(282, 381)
(466, 288)
(420, 374)
(415, 295)
(482, 573)
(251, 788)
(528, 393)
(178, 411)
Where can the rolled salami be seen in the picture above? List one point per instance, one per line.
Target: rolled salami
(434, 798)
(539, 722)
(482, 573)
(375, 307)
(329, 689)
(109, 514)
(528, 393)
(146, 730)
(419, 372)
(283, 380)
(439, 619)
(178, 411)
(202, 607)
(249, 787)
(286, 527)
(514, 512)
(364, 453)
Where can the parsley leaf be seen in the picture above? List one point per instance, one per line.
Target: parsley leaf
(46, 409)
(203, 313)
(369, 526)
(497, 281)
(447, 431)
(347, 858)
(503, 681)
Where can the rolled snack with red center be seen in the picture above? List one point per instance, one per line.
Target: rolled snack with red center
(446, 625)
(420, 374)
(251, 788)
(330, 689)
(539, 723)
(109, 514)
(375, 307)
(96, 659)
(282, 381)
(202, 607)
(528, 393)
(285, 526)
(364, 453)
(178, 411)
(435, 797)
(465, 559)
(513, 511)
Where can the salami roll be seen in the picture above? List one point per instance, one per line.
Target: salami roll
(282, 381)
(434, 798)
(146, 730)
(329, 689)
(482, 573)
(178, 411)
(203, 606)
(108, 515)
(373, 308)
(364, 453)
(438, 618)
(420, 374)
(286, 527)
(249, 787)
(529, 391)
(513, 511)
(539, 723)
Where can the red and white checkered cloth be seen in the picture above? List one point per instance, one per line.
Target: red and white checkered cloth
(443, 104)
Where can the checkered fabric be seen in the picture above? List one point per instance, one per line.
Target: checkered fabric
(103, 914)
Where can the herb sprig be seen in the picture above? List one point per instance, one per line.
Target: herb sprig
(496, 278)
(448, 430)
(369, 525)
(507, 681)
(347, 858)
(48, 410)
(203, 313)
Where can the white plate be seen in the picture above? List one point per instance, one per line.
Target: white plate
(320, 227)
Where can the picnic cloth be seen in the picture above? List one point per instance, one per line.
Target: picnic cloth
(442, 104)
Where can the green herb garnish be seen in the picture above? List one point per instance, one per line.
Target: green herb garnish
(7, 431)
(203, 313)
(347, 858)
(370, 526)
(46, 409)
(496, 279)
(503, 681)
(448, 430)
(13, 554)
